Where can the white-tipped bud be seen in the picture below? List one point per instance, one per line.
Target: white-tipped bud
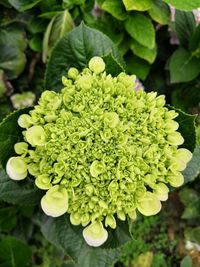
(97, 65)
(55, 202)
(149, 204)
(95, 234)
(16, 168)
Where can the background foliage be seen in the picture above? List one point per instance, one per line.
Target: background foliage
(163, 50)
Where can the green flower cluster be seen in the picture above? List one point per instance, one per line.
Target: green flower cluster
(100, 149)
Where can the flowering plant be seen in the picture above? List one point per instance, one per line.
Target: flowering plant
(100, 149)
(95, 154)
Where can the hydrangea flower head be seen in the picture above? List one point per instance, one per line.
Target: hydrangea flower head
(100, 149)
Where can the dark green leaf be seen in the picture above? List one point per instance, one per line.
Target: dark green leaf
(36, 43)
(193, 235)
(10, 134)
(115, 8)
(60, 232)
(188, 195)
(183, 66)
(137, 5)
(75, 50)
(108, 25)
(141, 29)
(186, 98)
(23, 192)
(193, 167)
(137, 66)
(37, 25)
(194, 42)
(112, 66)
(186, 128)
(160, 12)
(184, 26)
(13, 37)
(23, 5)
(14, 253)
(8, 218)
(187, 5)
(61, 24)
(12, 61)
(192, 211)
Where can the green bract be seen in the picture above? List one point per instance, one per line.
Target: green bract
(102, 150)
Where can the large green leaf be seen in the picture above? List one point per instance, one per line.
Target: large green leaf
(12, 46)
(160, 12)
(60, 24)
(8, 217)
(108, 25)
(143, 52)
(186, 128)
(60, 232)
(23, 5)
(183, 66)
(12, 60)
(184, 26)
(187, 5)
(14, 253)
(14, 37)
(141, 29)
(193, 167)
(194, 42)
(75, 50)
(186, 98)
(23, 193)
(137, 5)
(10, 134)
(115, 8)
(137, 66)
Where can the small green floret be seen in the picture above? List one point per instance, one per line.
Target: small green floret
(101, 150)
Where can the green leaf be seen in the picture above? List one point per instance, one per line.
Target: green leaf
(12, 61)
(10, 134)
(108, 25)
(143, 52)
(186, 98)
(193, 167)
(187, 5)
(183, 66)
(188, 195)
(22, 5)
(141, 29)
(160, 12)
(23, 192)
(186, 262)
(112, 66)
(13, 37)
(75, 50)
(186, 128)
(14, 253)
(115, 8)
(60, 232)
(194, 42)
(137, 5)
(37, 25)
(193, 235)
(184, 26)
(36, 43)
(61, 24)
(137, 66)
(8, 218)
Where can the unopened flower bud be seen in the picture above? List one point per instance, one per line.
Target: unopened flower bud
(95, 234)
(16, 168)
(97, 65)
